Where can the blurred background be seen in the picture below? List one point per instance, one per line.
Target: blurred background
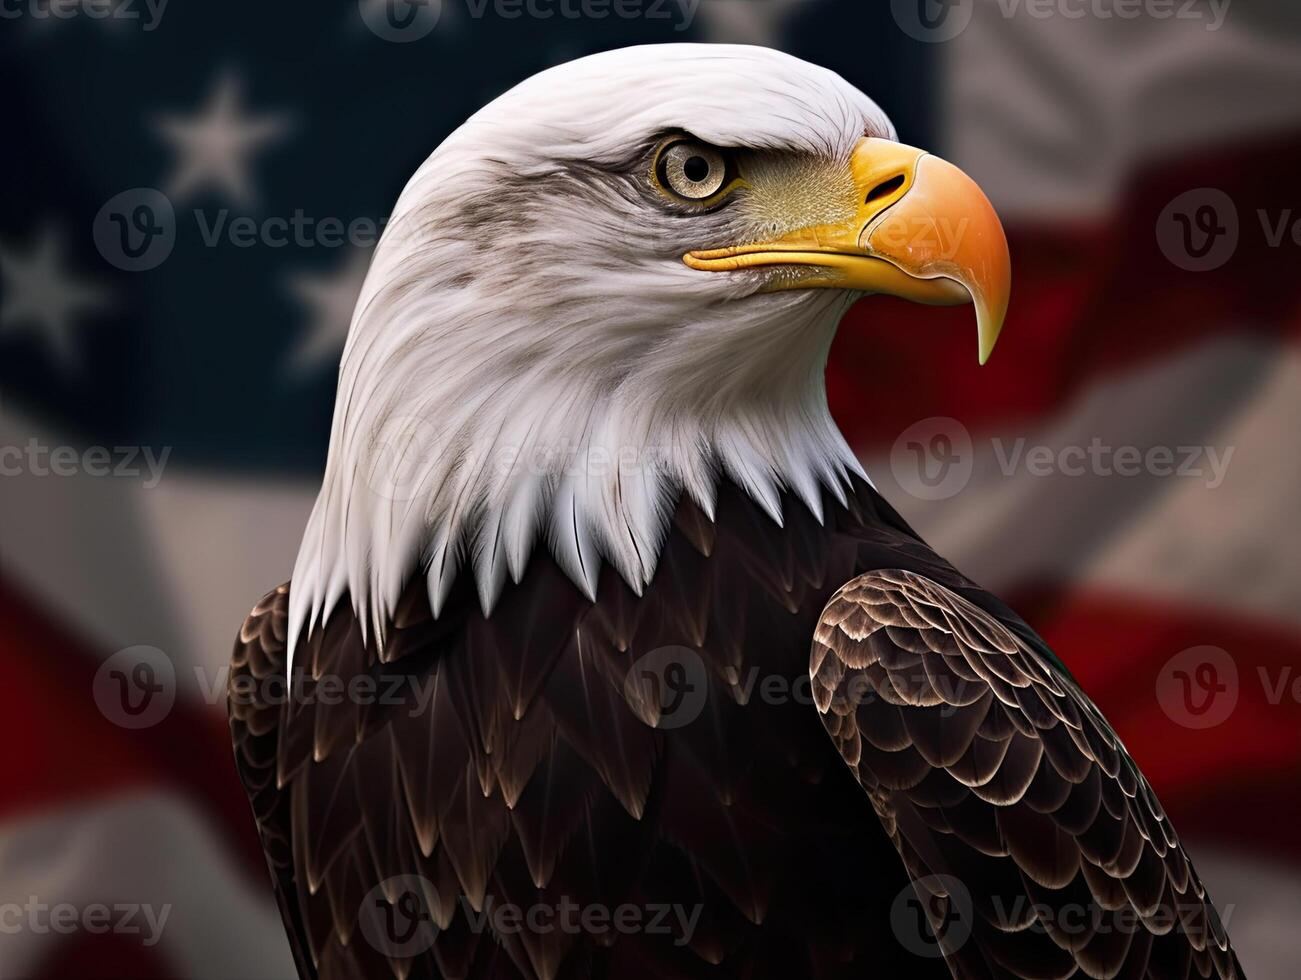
(190, 194)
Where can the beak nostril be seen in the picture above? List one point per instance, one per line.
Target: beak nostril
(885, 188)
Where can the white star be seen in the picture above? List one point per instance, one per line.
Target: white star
(38, 294)
(746, 21)
(217, 143)
(329, 299)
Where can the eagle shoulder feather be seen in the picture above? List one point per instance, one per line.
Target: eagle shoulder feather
(1035, 846)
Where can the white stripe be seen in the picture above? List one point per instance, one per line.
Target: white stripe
(1179, 538)
(149, 850)
(1052, 115)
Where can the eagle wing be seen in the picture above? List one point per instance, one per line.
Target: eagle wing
(259, 657)
(1035, 846)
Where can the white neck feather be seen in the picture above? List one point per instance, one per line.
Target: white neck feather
(530, 359)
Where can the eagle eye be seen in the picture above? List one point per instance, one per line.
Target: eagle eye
(692, 172)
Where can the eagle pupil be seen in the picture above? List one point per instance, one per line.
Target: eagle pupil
(696, 169)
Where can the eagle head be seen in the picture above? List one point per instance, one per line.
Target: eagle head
(616, 284)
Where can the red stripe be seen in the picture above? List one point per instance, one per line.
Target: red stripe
(105, 957)
(1237, 782)
(63, 751)
(1086, 302)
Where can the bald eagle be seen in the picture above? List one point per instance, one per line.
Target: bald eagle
(602, 657)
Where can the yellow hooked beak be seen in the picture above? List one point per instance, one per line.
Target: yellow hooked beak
(923, 231)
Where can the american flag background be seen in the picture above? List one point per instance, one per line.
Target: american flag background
(190, 194)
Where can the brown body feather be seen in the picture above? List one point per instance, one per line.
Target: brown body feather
(537, 759)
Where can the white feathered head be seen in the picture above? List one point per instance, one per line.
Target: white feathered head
(617, 283)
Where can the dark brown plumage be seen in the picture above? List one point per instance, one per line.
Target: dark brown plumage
(531, 759)
(1038, 848)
